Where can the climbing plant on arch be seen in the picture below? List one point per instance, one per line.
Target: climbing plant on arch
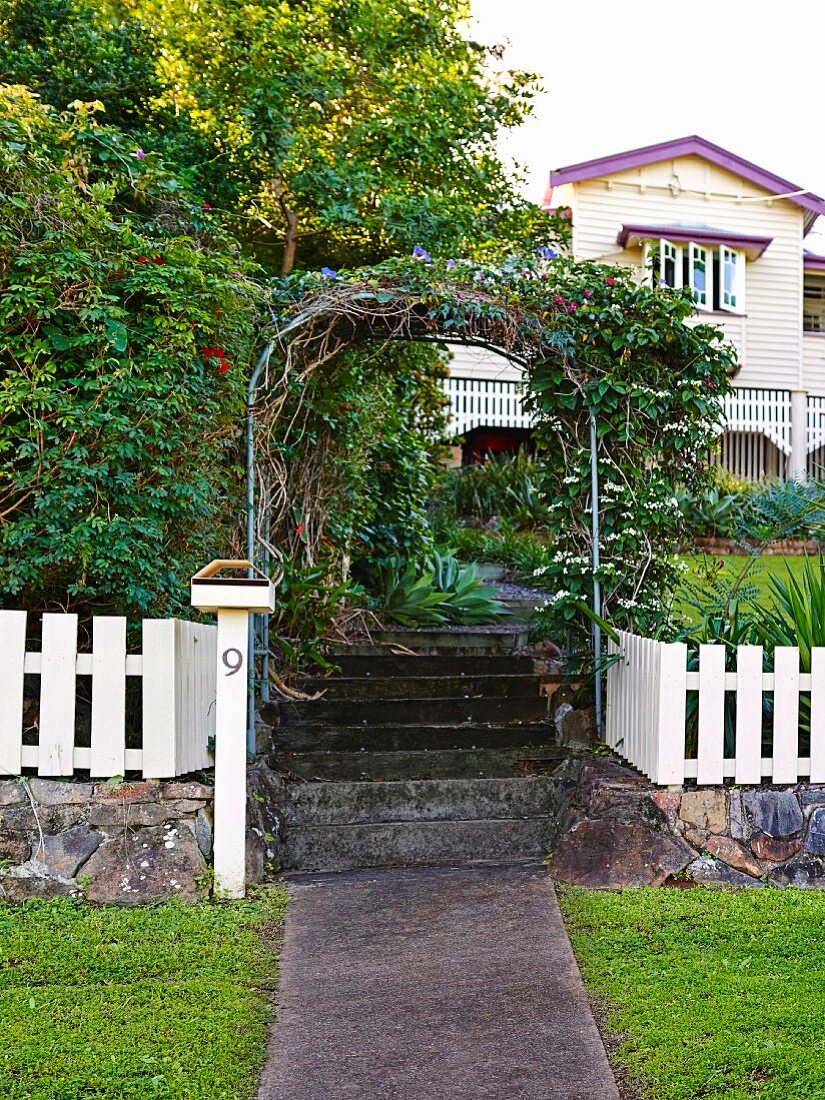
(590, 342)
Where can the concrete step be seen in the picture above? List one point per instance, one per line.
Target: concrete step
(413, 711)
(424, 687)
(416, 843)
(403, 738)
(472, 640)
(418, 800)
(436, 764)
(380, 663)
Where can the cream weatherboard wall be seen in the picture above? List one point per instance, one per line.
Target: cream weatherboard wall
(691, 191)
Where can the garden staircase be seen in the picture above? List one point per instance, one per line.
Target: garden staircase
(439, 755)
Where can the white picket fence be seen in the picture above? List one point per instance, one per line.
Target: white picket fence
(178, 671)
(647, 693)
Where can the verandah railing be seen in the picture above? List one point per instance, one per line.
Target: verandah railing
(175, 715)
(652, 721)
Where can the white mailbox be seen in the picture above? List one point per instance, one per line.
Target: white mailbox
(211, 592)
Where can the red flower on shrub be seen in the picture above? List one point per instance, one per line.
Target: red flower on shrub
(158, 260)
(143, 259)
(213, 353)
(299, 530)
(610, 282)
(224, 367)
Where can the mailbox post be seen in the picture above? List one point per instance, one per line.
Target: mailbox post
(233, 598)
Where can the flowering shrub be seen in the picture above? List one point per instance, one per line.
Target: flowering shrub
(120, 403)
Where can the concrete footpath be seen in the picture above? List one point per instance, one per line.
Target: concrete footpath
(432, 984)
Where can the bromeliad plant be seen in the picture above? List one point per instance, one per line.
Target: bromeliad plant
(443, 592)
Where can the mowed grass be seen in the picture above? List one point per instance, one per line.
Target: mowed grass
(714, 994)
(170, 1002)
(774, 565)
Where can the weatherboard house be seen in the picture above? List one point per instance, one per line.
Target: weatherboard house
(691, 214)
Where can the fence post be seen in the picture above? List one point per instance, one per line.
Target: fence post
(233, 598)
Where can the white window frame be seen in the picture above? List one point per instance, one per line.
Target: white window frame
(694, 250)
(731, 302)
(665, 248)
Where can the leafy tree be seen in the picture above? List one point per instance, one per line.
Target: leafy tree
(338, 132)
(119, 404)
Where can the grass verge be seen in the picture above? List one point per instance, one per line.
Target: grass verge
(171, 1002)
(713, 994)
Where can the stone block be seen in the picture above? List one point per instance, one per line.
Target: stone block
(667, 802)
(805, 875)
(15, 849)
(185, 789)
(56, 792)
(12, 792)
(65, 853)
(128, 793)
(705, 809)
(734, 854)
(774, 851)
(738, 824)
(143, 813)
(696, 838)
(578, 727)
(610, 855)
(811, 796)
(29, 881)
(28, 821)
(152, 864)
(713, 872)
(203, 832)
(815, 841)
(775, 813)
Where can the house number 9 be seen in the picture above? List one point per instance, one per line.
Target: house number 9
(233, 660)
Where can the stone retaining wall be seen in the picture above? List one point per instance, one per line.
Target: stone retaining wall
(616, 830)
(126, 843)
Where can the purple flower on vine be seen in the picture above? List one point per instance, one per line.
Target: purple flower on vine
(418, 253)
(139, 153)
(328, 273)
(547, 253)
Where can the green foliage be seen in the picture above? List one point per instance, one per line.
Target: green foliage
(119, 406)
(124, 1004)
(443, 592)
(686, 976)
(335, 131)
(797, 614)
(523, 552)
(507, 487)
(713, 513)
(306, 606)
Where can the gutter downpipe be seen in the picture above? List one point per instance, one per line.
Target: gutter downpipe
(597, 588)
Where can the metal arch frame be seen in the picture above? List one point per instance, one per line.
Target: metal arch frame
(259, 631)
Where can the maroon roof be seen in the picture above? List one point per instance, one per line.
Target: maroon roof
(683, 147)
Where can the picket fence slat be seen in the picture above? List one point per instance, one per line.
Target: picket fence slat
(647, 692)
(108, 751)
(749, 714)
(12, 665)
(178, 672)
(817, 771)
(57, 694)
(785, 714)
(711, 732)
(671, 714)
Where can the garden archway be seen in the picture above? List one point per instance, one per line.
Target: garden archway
(595, 347)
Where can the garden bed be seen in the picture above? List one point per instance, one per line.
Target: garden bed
(783, 547)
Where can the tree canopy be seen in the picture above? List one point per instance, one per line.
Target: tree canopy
(335, 132)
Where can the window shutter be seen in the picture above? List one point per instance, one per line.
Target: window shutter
(700, 275)
(729, 278)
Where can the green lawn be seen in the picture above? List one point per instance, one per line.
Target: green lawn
(714, 994)
(117, 1004)
(760, 575)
